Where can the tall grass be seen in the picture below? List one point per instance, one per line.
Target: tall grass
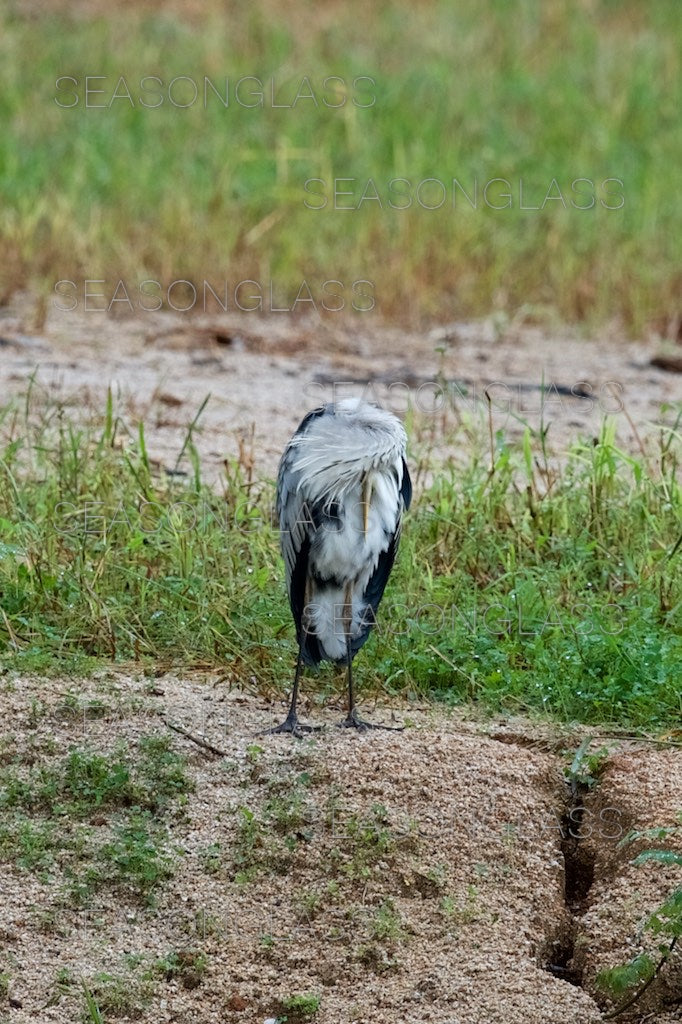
(520, 586)
(547, 93)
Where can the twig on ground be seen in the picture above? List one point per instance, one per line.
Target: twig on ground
(195, 739)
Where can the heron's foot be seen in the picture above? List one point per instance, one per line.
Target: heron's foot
(292, 725)
(355, 722)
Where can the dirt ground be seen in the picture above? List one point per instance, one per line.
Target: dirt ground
(264, 374)
(457, 916)
(460, 913)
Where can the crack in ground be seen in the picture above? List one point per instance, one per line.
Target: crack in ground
(579, 863)
(579, 868)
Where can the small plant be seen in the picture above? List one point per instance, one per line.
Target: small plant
(374, 956)
(162, 771)
(188, 966)
(665, 924)
(118, 790)
(210, 858)
(266, 841)
(286, 813)
(366, 840)
(437, 875)
(64, 984)
(250, 842)
(386, 923)
(461, 912)
(584, 770)
(30, 844)
(254, 752)
(120, 995)
(86, 782)
(93, 1014)
(300, 1007)
(135, 859)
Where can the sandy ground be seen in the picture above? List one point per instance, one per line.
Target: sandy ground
(264, 373)
(472, 869)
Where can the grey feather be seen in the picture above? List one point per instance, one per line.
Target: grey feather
(335, 572)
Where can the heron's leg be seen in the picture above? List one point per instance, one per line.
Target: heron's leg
(351, 693)
(291, 723)
(353, 721)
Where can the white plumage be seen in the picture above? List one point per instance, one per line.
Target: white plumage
(342, 487)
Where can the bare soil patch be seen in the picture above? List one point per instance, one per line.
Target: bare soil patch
(416, 876)
(264, 373)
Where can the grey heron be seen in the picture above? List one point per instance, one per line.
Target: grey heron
(342, 487)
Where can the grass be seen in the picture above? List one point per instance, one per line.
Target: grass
(185, 965)
(84, 782)
(300, 1007)
(459, 913)
(51, 819)
(208, 193)
(363, 841)
(130, 991)
(386, 923)
(529, 587)
(111, 995)
(268, 839)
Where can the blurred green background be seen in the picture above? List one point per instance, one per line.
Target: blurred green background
(533, 92)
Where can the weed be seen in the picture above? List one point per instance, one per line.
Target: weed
(86, 782)
(65, 984)
(134, 859)
(269, 839)
(31, 845)
(92, 1013)
(127, 794)
(664, 925)
(187, 966)
(461, 912)
(299, 1007)
(210, 858)
(386, 923)
(366, 840)
(308, 904)
(585, 768)
(120, 995)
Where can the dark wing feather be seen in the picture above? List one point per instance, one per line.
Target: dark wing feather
(293, 537)
(406, 487)
(294, 519)
(374, 591)
(296, 526)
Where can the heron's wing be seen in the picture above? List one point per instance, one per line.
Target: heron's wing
(297, 525)
(374, 591)
(294, 535)
(291, 510)
(376, 585)
(406, 486)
